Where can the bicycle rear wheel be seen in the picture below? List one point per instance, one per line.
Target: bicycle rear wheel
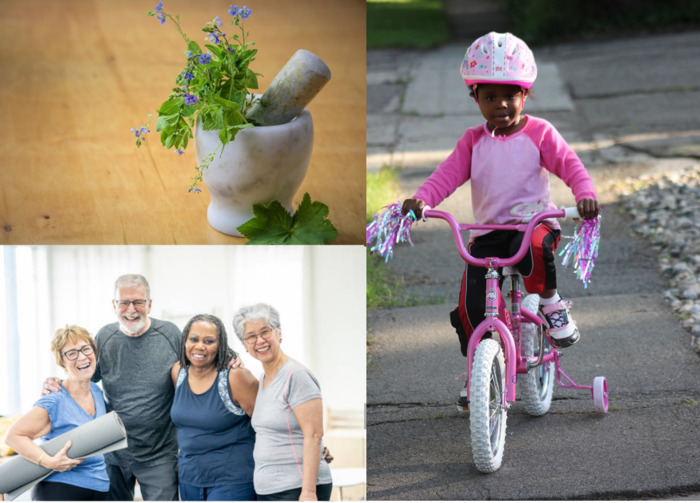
(538, 384)
(487, 406)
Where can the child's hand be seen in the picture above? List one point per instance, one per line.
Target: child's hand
(416, 205)
(587, 208)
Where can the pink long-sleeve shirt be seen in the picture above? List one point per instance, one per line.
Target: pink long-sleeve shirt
(509, 174)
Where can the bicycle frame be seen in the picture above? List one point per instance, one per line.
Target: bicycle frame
(507, 325)
(498, 319)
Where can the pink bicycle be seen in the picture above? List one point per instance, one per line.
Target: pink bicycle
(518, 351)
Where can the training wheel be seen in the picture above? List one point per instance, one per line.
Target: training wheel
(600, 394)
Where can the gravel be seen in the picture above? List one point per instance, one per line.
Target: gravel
(666, 212)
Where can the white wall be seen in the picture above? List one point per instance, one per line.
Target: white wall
(319, 291)
(338, 318)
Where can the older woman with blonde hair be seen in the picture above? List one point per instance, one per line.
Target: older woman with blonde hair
(78, 402)
(288, 414)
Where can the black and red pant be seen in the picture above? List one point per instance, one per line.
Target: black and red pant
(537, 268)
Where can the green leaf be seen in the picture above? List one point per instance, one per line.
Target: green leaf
(310, 223)
(251, 79)
(167, 120)
(273, 224)
(167, 137)
(216, 50)
(194, 47)
(171, 107)
(212, 119)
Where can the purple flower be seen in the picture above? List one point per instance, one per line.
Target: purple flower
(233, 10)
(162, 18)
(179, 152)
(159, 7)
(214, 38)
(217, 21)
(244, 12)
(195, 189)
(191, 99)
(204, 59)
(188, 54)
(140, 131)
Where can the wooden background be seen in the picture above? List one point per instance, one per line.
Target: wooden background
(78, 74)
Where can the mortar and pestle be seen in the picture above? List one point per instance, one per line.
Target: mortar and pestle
(269, 161)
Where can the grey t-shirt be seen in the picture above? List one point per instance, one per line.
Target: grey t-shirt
(135, 374)
(276, 467)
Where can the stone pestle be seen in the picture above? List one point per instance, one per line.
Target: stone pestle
(299, 81)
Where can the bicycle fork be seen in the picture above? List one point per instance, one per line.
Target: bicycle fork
(497, 320)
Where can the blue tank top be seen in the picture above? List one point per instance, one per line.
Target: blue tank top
(214, 435)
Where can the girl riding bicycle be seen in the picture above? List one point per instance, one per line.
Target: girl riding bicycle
(508, 160)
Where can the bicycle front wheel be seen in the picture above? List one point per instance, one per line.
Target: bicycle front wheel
(537, 385)
(487, 406)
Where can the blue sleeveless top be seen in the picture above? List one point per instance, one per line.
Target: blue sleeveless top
(214, 435)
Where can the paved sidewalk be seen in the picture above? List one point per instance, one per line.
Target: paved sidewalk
(627, 111)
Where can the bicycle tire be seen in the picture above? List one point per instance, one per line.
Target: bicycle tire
(600, 394)
(488, 412)
(537, 386)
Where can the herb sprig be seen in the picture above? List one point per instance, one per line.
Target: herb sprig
(214, 87)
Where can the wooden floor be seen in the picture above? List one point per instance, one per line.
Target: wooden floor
(78, 74)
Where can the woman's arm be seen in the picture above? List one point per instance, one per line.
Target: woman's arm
(243, 387)
(174, 371)
(32, 425)
(310, 417)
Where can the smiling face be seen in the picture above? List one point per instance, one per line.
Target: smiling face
(261, 340)
(501, 106)
(83, 366)
(133, 318)
(202, 344)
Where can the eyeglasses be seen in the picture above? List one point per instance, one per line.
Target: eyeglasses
(72, 354)
(265, 333)
(124, 304)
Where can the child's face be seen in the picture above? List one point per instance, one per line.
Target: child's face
(501, 106)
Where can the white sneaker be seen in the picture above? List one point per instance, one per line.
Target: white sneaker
(562, 329)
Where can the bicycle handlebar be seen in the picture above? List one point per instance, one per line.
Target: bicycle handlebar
(494, 262)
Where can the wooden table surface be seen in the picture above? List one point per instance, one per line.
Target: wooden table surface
(78, 74)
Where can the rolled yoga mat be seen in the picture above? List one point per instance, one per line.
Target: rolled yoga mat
(101, 435)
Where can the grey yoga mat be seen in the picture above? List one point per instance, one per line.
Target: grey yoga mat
(104, 434)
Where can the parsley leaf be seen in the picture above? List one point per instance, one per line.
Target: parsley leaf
(273, 224)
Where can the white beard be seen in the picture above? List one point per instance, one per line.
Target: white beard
(133, 327)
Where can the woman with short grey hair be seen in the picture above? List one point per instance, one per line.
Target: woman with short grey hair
(288, 414)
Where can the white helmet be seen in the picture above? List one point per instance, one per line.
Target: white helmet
(499, 58)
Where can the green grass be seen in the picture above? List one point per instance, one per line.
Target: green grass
(542, 21)
(382, 189)
(406, 23)
(384, 288)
